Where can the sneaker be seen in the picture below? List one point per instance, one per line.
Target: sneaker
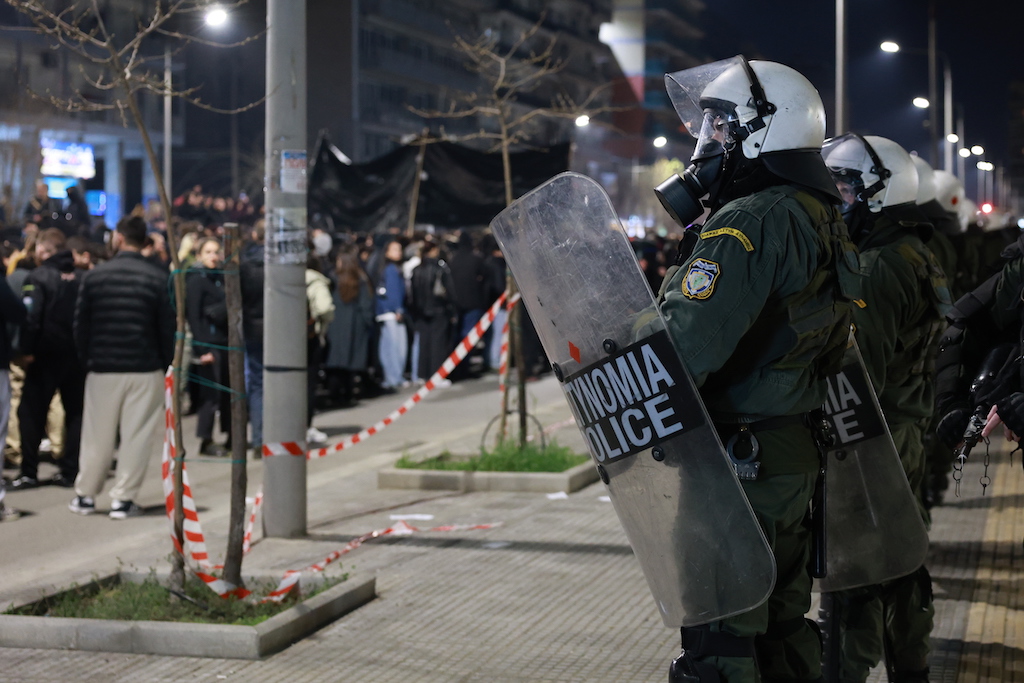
(208, 447)
(314, 435)
(63, 480)
(123, 509)
(83, 505)
(24, 482)
(8, 514)
(45, 446)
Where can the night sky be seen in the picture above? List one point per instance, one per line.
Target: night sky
(984, 40)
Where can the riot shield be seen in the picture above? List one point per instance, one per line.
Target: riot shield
(673, 488)
(874, 528)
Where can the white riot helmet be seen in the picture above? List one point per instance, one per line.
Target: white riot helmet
(925, 180)
(970, 216)
(739, 110)
(949, 191)
(879, 172)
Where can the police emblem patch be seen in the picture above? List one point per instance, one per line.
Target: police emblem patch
(699, 282)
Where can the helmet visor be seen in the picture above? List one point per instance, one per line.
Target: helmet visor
(849, 161)
(703, 116)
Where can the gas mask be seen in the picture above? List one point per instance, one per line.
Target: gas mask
(681, 194)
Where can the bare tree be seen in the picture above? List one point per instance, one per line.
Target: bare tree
(117, 66)
(526, 66)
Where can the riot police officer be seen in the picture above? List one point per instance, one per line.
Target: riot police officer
(898, 319)
(759, 311)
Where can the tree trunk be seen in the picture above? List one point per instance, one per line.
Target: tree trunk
(516, 314)
(177, 577)
(239, 416)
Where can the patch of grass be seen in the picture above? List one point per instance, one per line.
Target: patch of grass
(151, 601)
(505, 457)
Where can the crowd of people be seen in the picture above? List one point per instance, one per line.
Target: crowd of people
(89, 316)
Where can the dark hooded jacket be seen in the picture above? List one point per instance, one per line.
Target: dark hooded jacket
(49, 294)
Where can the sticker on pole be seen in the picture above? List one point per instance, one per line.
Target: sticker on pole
(286, 237)
(293, 171)
(631, 401)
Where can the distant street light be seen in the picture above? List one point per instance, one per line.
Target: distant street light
(986, 166)
(582, 121)
(953, 138)
(889, 46)
(216, 16)
(921, 102)
(660, 141)
(964, 152)
(977, 150)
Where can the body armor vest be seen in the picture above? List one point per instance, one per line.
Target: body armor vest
(811, 327)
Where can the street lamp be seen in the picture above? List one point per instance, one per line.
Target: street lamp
(953, 138)
(215, 16)
(947, 95)
(977, 150)
(582, 121)
(921, 102)
(964, 152)
(660, 141)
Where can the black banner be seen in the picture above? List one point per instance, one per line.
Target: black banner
(633, 400)
(850, 408)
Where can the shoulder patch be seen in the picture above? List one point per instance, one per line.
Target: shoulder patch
(700, 279)
(860, 303)
(744, 240)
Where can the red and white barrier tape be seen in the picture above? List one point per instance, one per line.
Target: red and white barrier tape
(456, 356)
(400, 528)
(192, 531)
(503, 361)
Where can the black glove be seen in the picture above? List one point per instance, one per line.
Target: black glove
(1011, 412)
(952, 426)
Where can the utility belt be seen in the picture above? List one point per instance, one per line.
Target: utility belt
(740, 439)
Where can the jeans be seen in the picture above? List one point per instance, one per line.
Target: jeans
(254, 388)
(494, 346)
(394, 345)
(5, 413)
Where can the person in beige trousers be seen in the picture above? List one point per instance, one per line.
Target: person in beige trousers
(124, 333)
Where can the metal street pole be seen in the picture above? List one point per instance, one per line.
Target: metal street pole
(167, 127)
(840, 118)
(933, 99)
(284, 302)
(947, 113)
(961, 162)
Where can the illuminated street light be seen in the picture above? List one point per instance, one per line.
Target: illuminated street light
(986, 166)
(921, 102)
(889, 46)
(660, 141)
(582, 121)
(977, 150)
(216, 16)
(964, 152)
(953, 138)
(986, 208)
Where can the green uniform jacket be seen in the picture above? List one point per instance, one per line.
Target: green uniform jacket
(754, 253)
(1005, 308)
(904, 299)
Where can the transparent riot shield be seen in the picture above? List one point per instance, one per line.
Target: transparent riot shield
(673, 488)
(874, 530)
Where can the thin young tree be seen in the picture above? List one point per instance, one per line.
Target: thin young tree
(118, 66)
(507, 73)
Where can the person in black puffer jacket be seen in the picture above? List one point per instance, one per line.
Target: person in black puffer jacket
(207, 314)
(47, 347)
(124, 333)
